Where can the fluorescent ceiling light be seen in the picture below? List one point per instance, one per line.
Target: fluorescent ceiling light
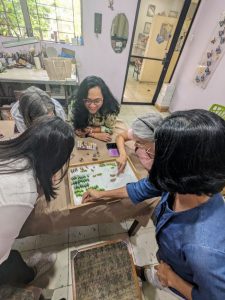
(19, 42)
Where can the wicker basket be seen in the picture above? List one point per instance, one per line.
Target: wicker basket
(58, 68)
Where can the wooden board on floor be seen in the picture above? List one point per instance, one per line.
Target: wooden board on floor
(104, 271)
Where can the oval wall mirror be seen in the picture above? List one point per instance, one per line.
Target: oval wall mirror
(119, 33)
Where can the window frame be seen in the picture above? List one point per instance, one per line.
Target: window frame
(30, 29)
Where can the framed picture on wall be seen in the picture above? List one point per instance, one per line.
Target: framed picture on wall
(142, 40)
(151, 10)
(147, 27)
(166, 31)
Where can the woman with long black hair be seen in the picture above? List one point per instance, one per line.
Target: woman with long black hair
(27, 166)
(95, 110)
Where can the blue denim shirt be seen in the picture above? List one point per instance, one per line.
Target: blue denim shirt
(192, 242)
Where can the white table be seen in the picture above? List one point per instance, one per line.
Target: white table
(33, 76)
(39, 77)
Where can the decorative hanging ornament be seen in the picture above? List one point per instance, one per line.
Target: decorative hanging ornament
(111, 4)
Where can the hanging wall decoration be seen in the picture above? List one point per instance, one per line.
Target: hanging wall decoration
(212, 55)
(111, 4)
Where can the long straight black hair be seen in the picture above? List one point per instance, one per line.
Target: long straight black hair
(47, 145)
(80, 112)
(190, 153)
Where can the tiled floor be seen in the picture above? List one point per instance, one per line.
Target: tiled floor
(128, 113)
(136, 91)
(142, 246)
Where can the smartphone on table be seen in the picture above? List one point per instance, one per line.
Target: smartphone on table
(112, 149)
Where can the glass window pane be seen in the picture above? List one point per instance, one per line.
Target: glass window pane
(55, 17)
(11, 16)
(4, 30)
(18, 12)
(180, 42)
(46, 2)
(66, 37)
(37, 33)
(34, 21)
(155, 27)
(77, 17)
(8, 6)
(12, 19)
(48, 24)
(45, 11)
(142, 80)
(47, 35)
(64, 14)
(63, 3)
(23, 31)
(3, 20)
(65, 26)
(139, 46)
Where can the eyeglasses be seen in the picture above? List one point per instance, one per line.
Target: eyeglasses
(144, 146)
(150, 153)
(95, 102)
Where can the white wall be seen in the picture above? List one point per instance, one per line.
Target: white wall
(187, 95)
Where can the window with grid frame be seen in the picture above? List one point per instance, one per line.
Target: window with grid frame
(11, 19)
(53, 20)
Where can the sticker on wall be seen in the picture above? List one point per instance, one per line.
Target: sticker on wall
(212, 55)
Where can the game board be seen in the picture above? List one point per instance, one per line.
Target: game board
(101, 175)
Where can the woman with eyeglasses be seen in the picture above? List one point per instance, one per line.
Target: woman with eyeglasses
(188, 174)
(142, 133)
(95, 110)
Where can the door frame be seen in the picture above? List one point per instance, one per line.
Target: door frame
(170, 52)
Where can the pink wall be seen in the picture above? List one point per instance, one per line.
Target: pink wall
(187, 95)
(97, 57)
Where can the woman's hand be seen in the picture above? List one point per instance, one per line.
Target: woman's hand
(101, 136)
(81, 132)
(165, 274)
(169, 278)
(91, 196)
(121, 163)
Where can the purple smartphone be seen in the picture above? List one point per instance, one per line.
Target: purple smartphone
(112, 149)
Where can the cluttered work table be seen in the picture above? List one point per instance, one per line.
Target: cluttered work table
(61, 213)
(59, 89)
